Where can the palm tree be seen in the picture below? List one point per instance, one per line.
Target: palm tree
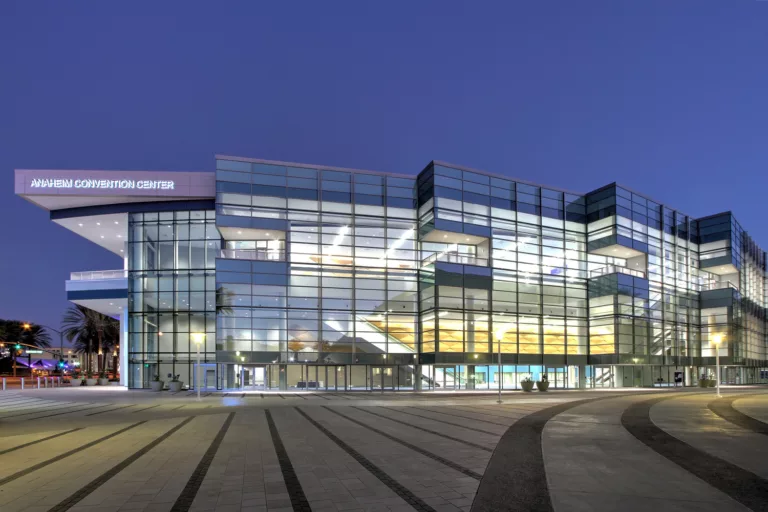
(87, 330)
(13, 332)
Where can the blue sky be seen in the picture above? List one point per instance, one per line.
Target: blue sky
(667, 98)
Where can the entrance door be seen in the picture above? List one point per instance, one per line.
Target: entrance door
(557, 378)
(383, 377)
(254, 377)
(207, 376)
(336, 378)
(447, 377)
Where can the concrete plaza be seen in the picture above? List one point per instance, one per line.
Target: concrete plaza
(109, 449)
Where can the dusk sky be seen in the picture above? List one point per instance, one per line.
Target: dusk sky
(669, 98)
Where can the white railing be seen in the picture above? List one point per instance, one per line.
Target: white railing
(253, 254)
(613, 269)
(720, 285)
(92, 275)
(453, 257)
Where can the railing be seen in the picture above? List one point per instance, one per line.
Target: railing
(92, 275)
(452, 257)
(613, 269)
(720, 285)
(253, 254)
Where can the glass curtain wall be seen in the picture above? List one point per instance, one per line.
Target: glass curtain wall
(171, 293)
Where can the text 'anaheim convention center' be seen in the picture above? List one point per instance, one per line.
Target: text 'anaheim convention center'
(293, 276)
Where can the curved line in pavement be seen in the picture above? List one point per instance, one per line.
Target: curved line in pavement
(515, 478)
(723, 407)
(743, 486)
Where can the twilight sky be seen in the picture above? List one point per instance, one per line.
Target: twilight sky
(667, 97)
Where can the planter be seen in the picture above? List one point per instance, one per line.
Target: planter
(103, 382)
(711, 383)
(527, 386)
(543, 385)
(156, 385)
(75, 383)
(175, 386)
(114, 383)
(703, 383)
(90, 382)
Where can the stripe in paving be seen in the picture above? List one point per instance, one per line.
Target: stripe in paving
(87, 489)
(146, 408)
(743, 486)
(295, 491)
(110, 410)
(473, 418)
(401, 411)
(723, 407)
(66, 412)
(387, 480)
(64, 455)
(433, 432)
(38, 410)
(418, 449)
(19, 447)
(515, 478)
(187, 496)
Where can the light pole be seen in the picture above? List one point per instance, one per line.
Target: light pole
(716, 339)
(499, 335)
(198, 338)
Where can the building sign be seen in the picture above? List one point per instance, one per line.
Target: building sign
(34, 351)
(64, 183)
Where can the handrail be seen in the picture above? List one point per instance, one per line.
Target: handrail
(253, 254)
(453, 257)
(720, 285)
(613, 269)
(92, 275)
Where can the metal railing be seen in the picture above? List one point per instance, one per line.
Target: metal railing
(253, 254)
(613, 269)
(92, 275)
(720, 285)
(452, 257)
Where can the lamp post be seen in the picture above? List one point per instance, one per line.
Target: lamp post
(499, 335)
(198, 338)
(716, 340)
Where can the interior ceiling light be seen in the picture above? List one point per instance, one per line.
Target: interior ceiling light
(80, 224)
(398, 243)
(98, 223)
(117, 222)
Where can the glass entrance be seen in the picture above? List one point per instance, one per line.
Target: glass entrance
(383, 377)
(332, 378)
(254, 377)
(557, 377)
(447, 377)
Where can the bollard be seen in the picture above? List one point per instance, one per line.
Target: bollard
(45, 382)
(22, 383)
(59, 381)
(38, 383)
(3, 383)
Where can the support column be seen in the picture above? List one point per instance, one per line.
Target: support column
(124, 347)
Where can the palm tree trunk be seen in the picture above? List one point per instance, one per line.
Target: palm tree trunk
(100, 360)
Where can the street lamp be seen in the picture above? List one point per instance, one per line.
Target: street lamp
(198, 338)
(499, 336)
(716, 340)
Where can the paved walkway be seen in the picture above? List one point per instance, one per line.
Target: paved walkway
(115, 450)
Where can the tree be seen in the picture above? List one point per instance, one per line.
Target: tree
(13, 332)
(90, 331)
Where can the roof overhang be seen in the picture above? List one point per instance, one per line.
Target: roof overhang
(58, 190)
